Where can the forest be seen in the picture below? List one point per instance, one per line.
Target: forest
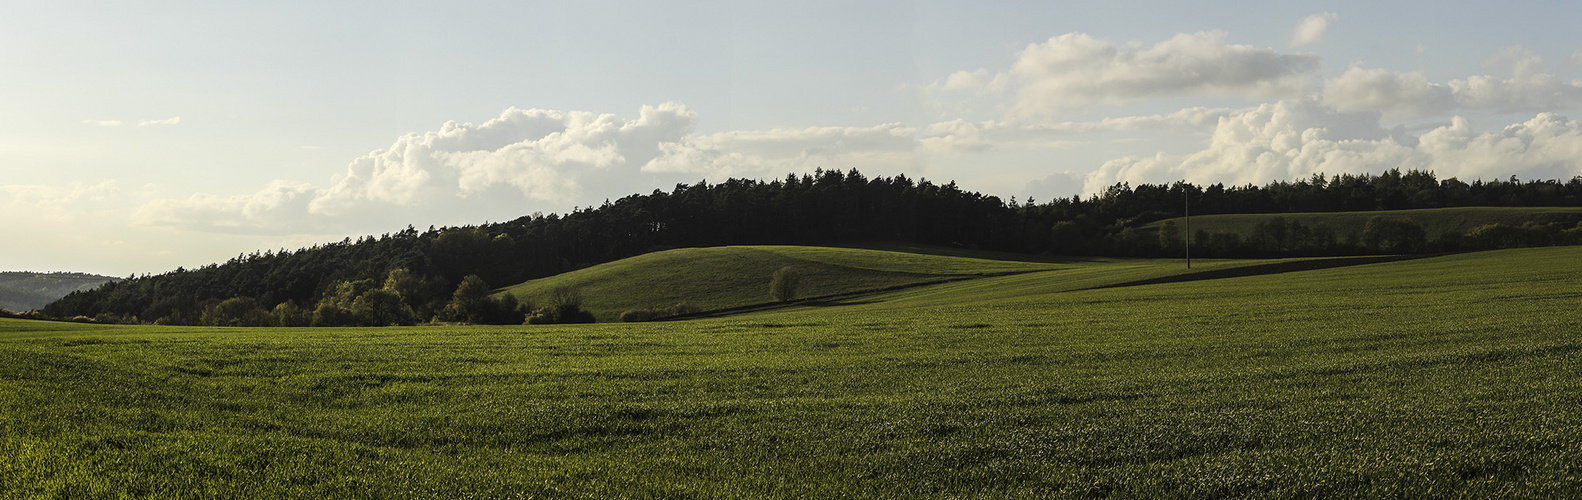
(443, 274)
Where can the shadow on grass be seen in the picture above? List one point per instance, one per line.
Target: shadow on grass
(1275, 268)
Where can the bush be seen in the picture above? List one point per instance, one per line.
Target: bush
(783, 284)
(565, 306)
(680, 309)
(472, 303)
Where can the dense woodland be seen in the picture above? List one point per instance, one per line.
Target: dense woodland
(444, 274)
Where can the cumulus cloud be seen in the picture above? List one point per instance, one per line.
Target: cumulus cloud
(1387, 90)
(1310, 29)
(963, 80)
(1077, 70)
(1294, 139)
(961, 136)
(1531, 88)
(527, 160)
(546, 155)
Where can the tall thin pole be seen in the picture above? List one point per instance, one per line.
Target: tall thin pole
(1186, 197)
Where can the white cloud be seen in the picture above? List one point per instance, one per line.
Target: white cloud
(960, 136)
(103, 123)
(1295, 138)
(962, 80)
(168, 121)
(1386, 90)
(546, 155)
(1531, 88)
(528, 160)
(1076, 70)
(1310, 29)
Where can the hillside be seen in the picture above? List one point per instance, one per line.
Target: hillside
(25, 291)
(729, 277)
(1408, 379)
(1435, 221)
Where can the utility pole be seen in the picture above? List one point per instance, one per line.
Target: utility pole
(1186, 197)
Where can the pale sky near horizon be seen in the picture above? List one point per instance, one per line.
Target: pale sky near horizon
(136, 137)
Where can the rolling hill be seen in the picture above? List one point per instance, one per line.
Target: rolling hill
(737, 276)
(25, 291)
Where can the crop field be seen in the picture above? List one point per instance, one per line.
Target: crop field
(727, 277)
(1435, 221)
(1455, 375)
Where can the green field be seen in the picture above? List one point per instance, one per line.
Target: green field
(1435, 221)
(729, 277)
(1446, 376)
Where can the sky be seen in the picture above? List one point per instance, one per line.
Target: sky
(138, 137)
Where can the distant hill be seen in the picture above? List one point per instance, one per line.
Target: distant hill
(25, 291)
(726, 277)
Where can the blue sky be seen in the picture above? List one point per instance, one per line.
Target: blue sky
(138, 137)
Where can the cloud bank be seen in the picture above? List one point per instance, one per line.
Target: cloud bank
(531, 159)
(1531, 88)
(526, 160)
(1077, 70)
(1293, 139)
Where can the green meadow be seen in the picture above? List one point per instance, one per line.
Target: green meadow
(1435, 221)
(1452, 375)
(718, 278)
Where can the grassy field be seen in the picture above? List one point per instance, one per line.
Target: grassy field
(1435, 221)
(1446, 376)
(727, 277)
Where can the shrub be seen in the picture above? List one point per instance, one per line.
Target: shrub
(565, 306)
(680, 309)
(783, 284)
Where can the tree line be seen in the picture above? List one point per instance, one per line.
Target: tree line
(424, 271)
